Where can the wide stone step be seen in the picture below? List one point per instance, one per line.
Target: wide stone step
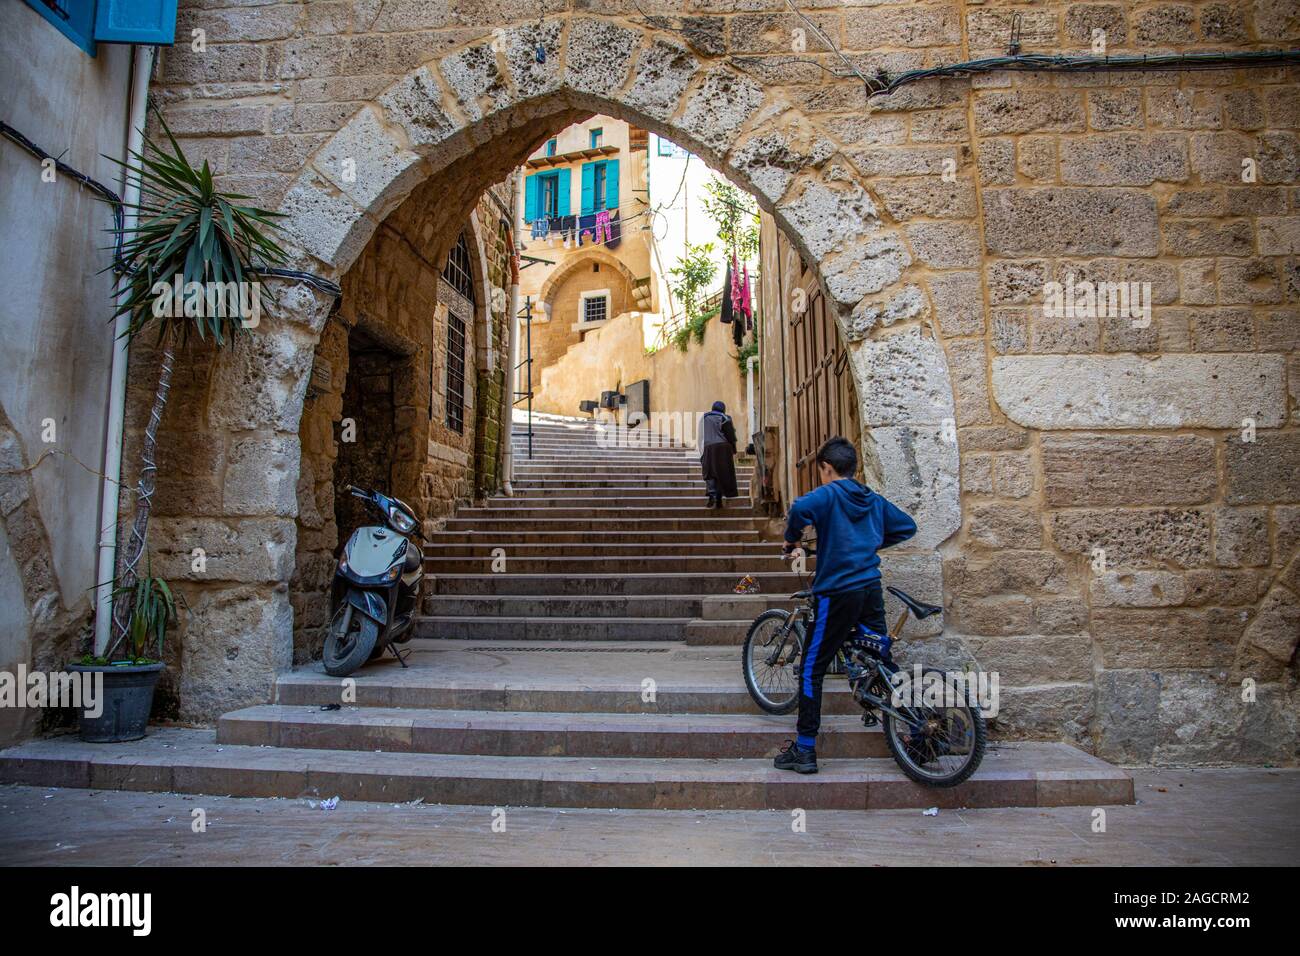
(525, 470)
(598, 492)
(738, 564)
(532, 734)
(502, 628)
(176, 760)
(641, 582)
(678, 538)
(533, 605)
(505, 521)
(647, 505)
(483, 550)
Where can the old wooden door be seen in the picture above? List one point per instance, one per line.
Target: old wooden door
(823, 398)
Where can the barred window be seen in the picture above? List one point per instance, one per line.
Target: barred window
(460, 311)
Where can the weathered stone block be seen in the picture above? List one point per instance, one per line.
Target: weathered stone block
(1241, 537)
(262, 476)
(1005, 526)
(1137, 589)
(1124, 391)
(1070, 222)
(1266, 470)
(910, 380)
(958, 302)
(919, 473)
(247, 550)
(1135, 537)
(1161, 639)
(1127, 470)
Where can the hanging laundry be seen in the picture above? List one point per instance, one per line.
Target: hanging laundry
(615, 231)
(727, 310)
(746, 298)
(541, 227)
(602, 226)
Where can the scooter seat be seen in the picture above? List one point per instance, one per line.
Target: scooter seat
(918, 608)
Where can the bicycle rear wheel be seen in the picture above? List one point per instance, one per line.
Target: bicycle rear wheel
(948, 745)
(773, 653)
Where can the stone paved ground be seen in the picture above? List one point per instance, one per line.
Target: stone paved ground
(1183, 817)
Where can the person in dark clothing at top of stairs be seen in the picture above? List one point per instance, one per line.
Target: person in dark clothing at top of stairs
(853, 523)
(717, 454)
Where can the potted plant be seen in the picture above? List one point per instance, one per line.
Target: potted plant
(125, 697)
(188, 235)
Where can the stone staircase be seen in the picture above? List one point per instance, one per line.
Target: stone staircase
(598, 668)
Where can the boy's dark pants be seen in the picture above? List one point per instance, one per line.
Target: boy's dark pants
(836, 615)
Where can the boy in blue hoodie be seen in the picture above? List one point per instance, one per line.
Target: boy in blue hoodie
(853, 523)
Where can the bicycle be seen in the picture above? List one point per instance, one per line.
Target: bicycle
(936, 745)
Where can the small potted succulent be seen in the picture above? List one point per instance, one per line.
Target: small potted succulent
(132, 665)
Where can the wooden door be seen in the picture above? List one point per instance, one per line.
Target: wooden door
(823, 397)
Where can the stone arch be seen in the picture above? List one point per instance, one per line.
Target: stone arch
(556, 279)
(463, 120)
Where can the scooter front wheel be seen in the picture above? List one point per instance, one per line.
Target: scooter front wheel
(351, 639)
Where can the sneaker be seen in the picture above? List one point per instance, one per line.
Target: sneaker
(793, 757)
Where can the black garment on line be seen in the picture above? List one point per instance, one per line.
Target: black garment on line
(726, 314)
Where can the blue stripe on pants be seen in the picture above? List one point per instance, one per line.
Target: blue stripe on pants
(810, 653)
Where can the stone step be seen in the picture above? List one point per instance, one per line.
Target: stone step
(716, 633)
(650, 504)
(548, 676)
(738, 564)
(502, 628)
(779, 585)
(178, 760)
(534, 605)
(678, 538)
(532, 471)
(514, 522)
(482, 550)
(610, 510)
(596, 491)
(533, 734)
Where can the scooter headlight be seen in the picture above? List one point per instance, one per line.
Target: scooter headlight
(400, 520)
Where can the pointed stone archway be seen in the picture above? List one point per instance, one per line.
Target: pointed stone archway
(461, 122)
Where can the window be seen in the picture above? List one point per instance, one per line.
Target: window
(85, 22)
(599, 186)
(460, 309)
(550, 146)
(593, 306)
(597, 135)
(455, 372)
(546, 195)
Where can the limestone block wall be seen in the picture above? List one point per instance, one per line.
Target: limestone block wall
(935, 217)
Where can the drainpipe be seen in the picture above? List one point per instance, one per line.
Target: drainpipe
(512, 346)
(142, 61)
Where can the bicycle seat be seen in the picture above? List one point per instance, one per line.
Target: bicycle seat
(799, 595)
(918, 608)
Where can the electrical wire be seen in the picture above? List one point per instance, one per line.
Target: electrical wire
(120, 265)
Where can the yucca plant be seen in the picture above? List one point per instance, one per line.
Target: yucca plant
(153, 608)
(186, 231)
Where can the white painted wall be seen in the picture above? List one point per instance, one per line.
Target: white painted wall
(56, 307)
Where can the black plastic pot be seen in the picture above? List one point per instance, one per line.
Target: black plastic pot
(128, 698)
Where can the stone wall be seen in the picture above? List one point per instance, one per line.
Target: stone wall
(934, 217)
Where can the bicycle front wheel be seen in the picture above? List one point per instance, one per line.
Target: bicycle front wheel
(773, 653)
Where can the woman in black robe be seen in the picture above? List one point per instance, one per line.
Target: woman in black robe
(717, 454)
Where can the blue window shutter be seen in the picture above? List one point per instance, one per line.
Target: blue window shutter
(532, 197)
(150, 22)
(79, 24)
(562, 201)
(611, 184)
(588, 188)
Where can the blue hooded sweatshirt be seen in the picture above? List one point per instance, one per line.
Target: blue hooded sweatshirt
(853, 523)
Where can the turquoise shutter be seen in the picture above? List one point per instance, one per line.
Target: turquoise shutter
(532, 197)
(149, 22)
(611, 184)
(588, 188)
(562, 194)
(76, 22)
